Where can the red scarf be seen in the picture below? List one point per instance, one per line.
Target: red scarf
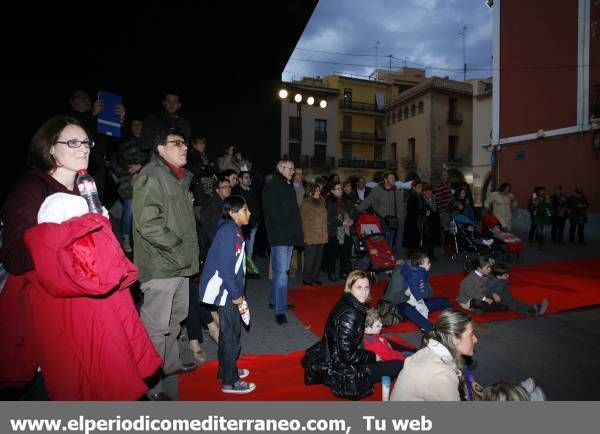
(179, 172)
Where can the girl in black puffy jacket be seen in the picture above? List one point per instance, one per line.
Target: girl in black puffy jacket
(352, 369)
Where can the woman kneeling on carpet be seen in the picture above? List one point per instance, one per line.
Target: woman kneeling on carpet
(436, 372)
(352, 370)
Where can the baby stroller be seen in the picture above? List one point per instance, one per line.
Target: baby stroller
(509, 244)
(371, 251)
(466, 243)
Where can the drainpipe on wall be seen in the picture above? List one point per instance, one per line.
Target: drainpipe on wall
(431, 138)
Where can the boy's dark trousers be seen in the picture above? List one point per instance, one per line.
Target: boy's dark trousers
(532, 229)
(229, 342)
(572, 228)
(512, 303)
(558, 229)
(482, 305)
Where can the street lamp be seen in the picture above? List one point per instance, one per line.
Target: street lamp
(298, 98)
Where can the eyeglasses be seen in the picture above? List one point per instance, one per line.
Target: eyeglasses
(178, 143)
(74, 143)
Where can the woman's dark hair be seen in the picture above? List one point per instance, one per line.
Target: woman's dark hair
(331, 186)
(500, 268)
(45, 137)
(232, 204)
(504, 185)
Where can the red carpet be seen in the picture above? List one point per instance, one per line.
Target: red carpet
(566, 285)
(278, 377)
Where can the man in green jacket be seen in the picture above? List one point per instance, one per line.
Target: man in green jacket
(166, 247)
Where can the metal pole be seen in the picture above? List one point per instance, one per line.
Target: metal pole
(299, 109)
(464, 34)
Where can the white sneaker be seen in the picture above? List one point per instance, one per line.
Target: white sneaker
(240, 387)
(542, 306)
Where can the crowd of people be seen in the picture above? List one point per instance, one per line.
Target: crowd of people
(191, 226)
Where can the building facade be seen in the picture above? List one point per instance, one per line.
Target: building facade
(429, 128)
(308, 131)
(546, 96)
(360, 134)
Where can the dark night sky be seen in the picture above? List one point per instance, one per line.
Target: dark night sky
(226, 61)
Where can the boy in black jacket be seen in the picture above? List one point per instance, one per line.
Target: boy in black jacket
(497, 288)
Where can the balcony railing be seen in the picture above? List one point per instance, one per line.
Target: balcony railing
(455, 118)
(320, 162)
(321, 136)
(361, 164)
(368, 137)
(359, 106)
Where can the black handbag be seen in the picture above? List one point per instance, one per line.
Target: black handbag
(390, 316)
(316, 362)
(349, 382)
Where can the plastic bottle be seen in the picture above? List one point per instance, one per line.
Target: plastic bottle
(87, 189)
(385, 388)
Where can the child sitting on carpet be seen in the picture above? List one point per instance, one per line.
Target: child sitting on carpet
(383, 348)
(222, 284)
(419, 301)
(471, 294)
(497, 288)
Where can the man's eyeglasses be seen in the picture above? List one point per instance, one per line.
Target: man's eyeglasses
(178, 143)
(74, 143)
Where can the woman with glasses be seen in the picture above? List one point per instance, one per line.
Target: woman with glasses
(353, 370)
(59, 148)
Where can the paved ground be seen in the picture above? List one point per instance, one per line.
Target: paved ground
(560, 351)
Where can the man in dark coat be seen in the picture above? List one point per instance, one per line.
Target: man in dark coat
(361, 191)
(284, 231)
(168, 118)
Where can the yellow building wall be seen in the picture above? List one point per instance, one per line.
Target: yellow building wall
(362, 91)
